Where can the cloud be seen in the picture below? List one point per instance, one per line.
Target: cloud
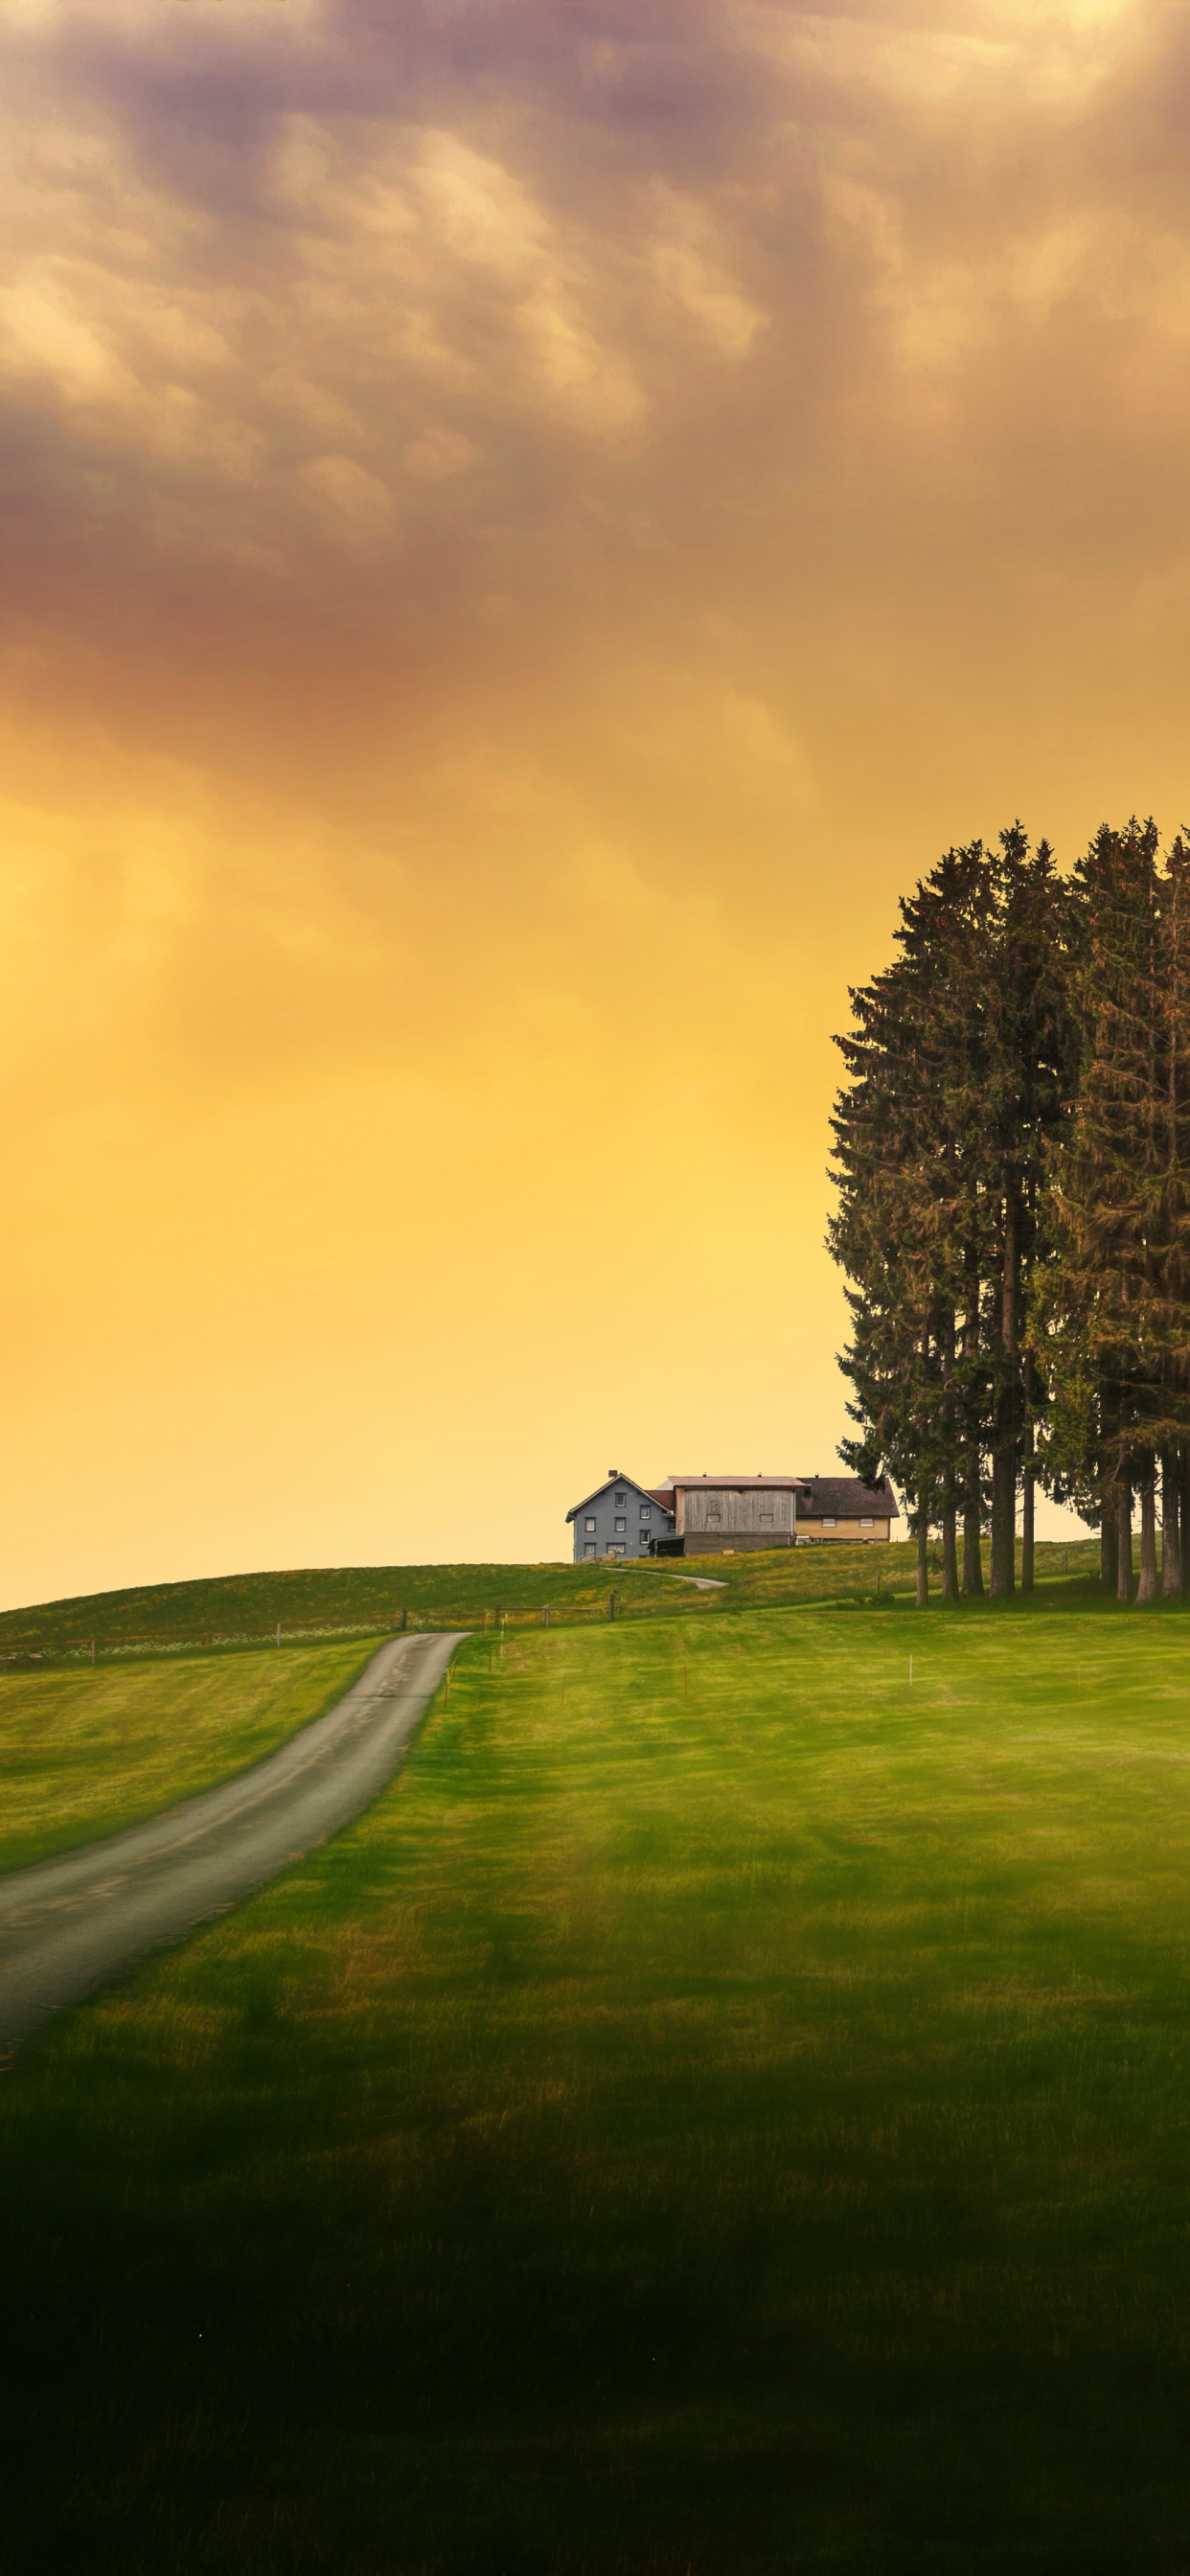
(359, 500)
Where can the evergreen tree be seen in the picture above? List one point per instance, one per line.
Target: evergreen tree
(1113, 1301)
(912, 1219)
(956, 1064)
(1029, 1058)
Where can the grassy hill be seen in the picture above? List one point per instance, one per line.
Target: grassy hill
(724, 2109)
(83, 1753)
(372, 1599)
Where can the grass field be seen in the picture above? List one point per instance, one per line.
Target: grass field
(82, 1752)
(373, 1598)
(724, 2109)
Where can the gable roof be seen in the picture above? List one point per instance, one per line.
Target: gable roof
(606, 1487)
(741, 1484)
(846, 1497)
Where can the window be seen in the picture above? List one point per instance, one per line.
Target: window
(766, 1517)
(621, 1525)
(646, 1511)
(589, 1549)
(589, 1523)
(621, 1499)
(866, 1522)
(828, 1520)
(616, 1550)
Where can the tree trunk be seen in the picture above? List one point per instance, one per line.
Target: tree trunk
(1027, 1511)
(1171, 1535)
(1124, 1544)
(950, 1557)
(1184, 1509)
(1109, 1545)
(1004, 1455)
(1147, 1587)
(1002, 1576)
(923, 1552)
(973, 1452)
(950, 1552)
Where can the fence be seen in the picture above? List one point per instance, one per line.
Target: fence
(819, 1583)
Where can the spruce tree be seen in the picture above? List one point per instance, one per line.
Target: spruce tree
(957, 1067)
(1029, 1055)
(1110, 1302)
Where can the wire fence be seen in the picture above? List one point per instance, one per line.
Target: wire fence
(820, 1585)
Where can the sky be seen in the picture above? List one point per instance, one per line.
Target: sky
(526, 525)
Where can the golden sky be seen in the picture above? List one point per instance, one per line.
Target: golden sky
(526, 524)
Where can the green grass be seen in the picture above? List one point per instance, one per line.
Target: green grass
(82, 1752)
(838, 1572)
(723, 2110)
(372, 1598)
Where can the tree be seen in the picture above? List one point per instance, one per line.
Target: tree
(1029, 1055)
(1112, 1303)
(956, 1065)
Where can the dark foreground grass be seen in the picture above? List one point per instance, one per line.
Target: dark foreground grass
(84, 1752)
(723, 2110)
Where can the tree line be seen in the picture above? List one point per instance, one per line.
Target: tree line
(1012, 1157)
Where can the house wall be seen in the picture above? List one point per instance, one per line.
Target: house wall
(855, 1533)
(733, 1542)
(597, 1530)
(760, 1514)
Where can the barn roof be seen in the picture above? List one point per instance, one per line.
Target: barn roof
(847, 1497)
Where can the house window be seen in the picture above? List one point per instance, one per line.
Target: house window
(828, 1520)
(621, 1525)
(866, 1523)
(616, 1549)
(621, 1499)
(589, 1522)
(766, 1517)
(646, 1511)
(590, 1549)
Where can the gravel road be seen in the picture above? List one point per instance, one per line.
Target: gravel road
(67, 1924)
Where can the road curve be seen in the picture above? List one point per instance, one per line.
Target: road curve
(67, 1924)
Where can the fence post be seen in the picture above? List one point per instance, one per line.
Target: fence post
(545, 1614)
(611, 1605)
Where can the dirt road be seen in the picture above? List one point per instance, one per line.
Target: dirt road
(67, 1924)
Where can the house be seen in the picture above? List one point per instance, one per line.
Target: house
(721, 1515)
(621, 1518)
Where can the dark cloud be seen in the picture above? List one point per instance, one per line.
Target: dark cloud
(422, 341)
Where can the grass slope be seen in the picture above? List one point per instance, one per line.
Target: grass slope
(82, 1752)
(723, 2110)
(373, 1597)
